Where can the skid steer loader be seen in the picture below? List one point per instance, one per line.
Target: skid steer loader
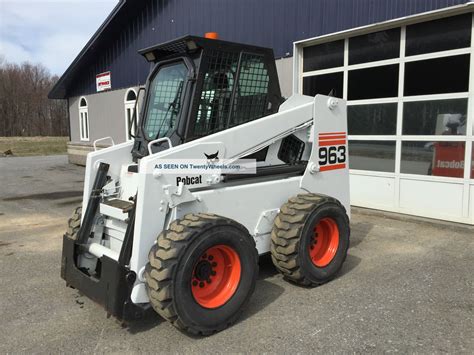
(187, 245)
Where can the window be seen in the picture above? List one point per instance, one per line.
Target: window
(230, 98)
(215, 102)
(323, 56)
(130, 100)
(437, 117)
(164, 101)
(433, 158)
(439, 35)
(83, 119)
(372, 83)
(250, 101)
(379, 119)
(324, 84)
(437, 76)
(374, 46)
(394, 104)
(372, 155)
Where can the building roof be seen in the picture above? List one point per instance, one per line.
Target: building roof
(133, 25)
(59, 90)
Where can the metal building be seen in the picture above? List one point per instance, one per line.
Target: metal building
(359, 49)
(409, 84)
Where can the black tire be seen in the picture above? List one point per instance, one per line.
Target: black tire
(74, 223)
(293, 235)
(171, 271)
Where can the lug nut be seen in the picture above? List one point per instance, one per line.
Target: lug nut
(213, 273)
(210, 257)
(201, 284)
(195, 283)
(208, 281)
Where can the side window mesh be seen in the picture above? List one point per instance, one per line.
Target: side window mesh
(215, 101)
(250, 100)
(291, 149)
(217, 109)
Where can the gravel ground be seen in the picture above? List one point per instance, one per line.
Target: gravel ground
(407, 286)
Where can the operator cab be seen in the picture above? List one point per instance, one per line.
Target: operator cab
(198, 86)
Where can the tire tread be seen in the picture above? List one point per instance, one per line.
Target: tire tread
(286, 233)
(164, 257)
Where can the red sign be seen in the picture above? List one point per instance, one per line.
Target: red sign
(448, 159)
(103, 81)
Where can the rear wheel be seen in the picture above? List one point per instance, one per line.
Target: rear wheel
(202, 271)
(310, 239)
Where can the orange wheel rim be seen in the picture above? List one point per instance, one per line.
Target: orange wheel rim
(216, 276)
(324, 243)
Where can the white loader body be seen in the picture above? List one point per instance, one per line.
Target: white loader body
(320, 122)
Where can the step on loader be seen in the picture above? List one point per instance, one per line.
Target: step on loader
(187, 244)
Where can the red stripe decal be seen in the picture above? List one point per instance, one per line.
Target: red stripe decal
(329, 134)
(332, 137)
(333, 167)
(335, 142)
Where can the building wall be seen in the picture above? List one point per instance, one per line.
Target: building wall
(106, 113)
(106, 116)
(285, 75)
(409, 88)
(107, 110)
(268, 23)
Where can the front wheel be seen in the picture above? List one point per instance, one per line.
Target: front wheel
(202, 271)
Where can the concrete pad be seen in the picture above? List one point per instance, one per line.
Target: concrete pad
(407, 286)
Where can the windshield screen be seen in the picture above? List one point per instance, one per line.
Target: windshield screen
(164, 102)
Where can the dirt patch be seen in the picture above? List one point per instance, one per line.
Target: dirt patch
(57, 195)
(30, 146)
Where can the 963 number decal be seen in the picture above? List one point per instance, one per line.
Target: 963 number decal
(332, 151)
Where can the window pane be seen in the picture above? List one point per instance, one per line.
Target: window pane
(250, 100)
(374, 46)
(372, 155)
(373, 83)
(323, 56)
(216, 97)
(439, 35)
(323, 84)
(433, 158)
(378, 119)
(81, 121)
(437, 76)
(164, 102)
(441, 117)
(86, 124)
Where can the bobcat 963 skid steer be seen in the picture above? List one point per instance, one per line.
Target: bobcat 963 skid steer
(187, 245)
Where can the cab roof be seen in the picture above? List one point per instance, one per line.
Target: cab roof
(191, 44)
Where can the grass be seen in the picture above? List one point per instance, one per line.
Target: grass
(30, 146)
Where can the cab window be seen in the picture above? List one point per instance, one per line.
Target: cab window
(164, 101)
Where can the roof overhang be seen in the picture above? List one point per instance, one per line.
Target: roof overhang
(60, 88)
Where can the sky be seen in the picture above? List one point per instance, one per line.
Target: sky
(50, 32)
